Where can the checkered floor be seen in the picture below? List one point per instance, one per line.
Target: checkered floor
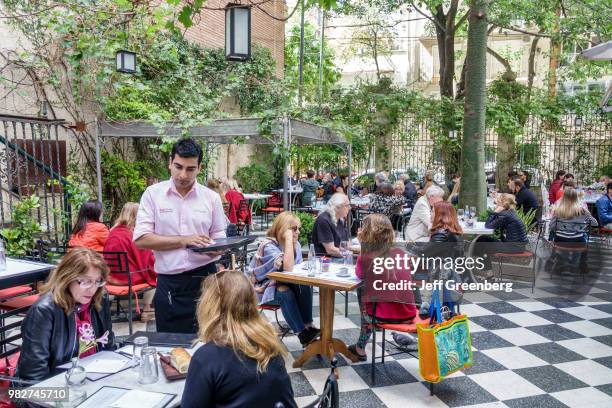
(552, 348)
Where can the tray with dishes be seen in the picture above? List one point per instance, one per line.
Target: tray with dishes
(176, 364)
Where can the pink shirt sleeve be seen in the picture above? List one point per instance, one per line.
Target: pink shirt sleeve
(145, 219)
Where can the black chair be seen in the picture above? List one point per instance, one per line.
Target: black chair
(330, 398)
(569, 248)
(244, 226)
(118, 263)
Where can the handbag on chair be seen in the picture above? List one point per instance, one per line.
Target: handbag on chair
(445, 346)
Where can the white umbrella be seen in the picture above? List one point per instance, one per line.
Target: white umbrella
(601, 52)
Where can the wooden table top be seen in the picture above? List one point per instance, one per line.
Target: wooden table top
(323, 280)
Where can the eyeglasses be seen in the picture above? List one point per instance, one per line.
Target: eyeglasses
(87, 283)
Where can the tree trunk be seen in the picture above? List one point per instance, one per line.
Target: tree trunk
(474, 191)
(555, 52)
(506, 155)
(531, 65)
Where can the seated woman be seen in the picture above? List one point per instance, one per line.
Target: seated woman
(328, 187)
(71, 318)
(453, 197)
(570, 218)
(235, 196)
(330, 226)
(386, 201)
(376, 236)
(241, 362)
(281, 251)
(512, 228)
(141, 262)
(88, 231)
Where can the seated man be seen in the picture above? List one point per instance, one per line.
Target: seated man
(330, 227)
(604, 208)
(526, 199)
(418, 229)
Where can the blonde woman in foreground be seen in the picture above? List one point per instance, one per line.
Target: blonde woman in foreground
(241, 363)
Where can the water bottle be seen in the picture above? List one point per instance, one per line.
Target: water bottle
(311, 260)
(467, 212)
(2, 257)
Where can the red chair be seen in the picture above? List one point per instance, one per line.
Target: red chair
(9, 293)
(284, 330)
(274, 206)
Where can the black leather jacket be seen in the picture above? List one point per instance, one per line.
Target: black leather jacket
(50, 337)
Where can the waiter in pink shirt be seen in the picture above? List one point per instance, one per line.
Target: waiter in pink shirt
(174, 215)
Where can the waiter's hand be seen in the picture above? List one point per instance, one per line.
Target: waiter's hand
(196, 240)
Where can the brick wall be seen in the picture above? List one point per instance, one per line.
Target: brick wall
(209, 28)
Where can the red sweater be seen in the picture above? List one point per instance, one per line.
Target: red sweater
(552, 192)
(234, 197)
(391, 310)
(141, 261)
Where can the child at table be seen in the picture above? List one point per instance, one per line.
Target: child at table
(281, 251)
(241, 362)
(392, 306)
(71, 318)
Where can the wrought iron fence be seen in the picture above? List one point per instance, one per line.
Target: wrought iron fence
(33, 160)
(579, 145)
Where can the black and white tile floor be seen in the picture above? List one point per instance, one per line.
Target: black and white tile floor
(552, 348)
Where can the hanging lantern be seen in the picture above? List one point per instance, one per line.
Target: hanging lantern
(237, 32)
(126, 62)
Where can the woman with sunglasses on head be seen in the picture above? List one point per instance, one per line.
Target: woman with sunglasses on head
(241, 362)
(281, 251)
(71, 318)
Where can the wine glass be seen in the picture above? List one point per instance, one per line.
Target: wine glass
(473, 212)
(460, 214)
(344, 249)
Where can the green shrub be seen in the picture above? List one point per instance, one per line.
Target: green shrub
(21, 237)
(307, 221)
(254, 178)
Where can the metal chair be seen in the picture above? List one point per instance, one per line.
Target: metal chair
(501, 256)
(330, 398)
(244, 225)
(568, 248)
(118, 264)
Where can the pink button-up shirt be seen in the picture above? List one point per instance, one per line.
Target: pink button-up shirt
(164, 211)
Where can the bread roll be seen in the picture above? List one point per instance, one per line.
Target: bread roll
(180, 358)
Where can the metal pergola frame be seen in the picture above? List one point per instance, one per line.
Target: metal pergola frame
(288, 131)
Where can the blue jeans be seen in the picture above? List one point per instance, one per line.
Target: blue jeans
(296, 305)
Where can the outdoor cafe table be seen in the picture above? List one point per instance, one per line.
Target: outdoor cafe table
(328, 283)
(20, 272)
(127, 379)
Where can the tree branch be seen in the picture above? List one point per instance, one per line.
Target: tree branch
(462, 20)
(433, 20)
(520, 30)
(501, 59)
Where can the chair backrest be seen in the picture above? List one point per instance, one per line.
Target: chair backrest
(227, 208)
(118, 263)
(577, 227)
(244, 213)
(330, 398)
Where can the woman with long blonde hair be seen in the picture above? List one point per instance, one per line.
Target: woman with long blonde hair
(70, 319)
(141, 262)
(281, 251)
(241, 362)
(570, 219)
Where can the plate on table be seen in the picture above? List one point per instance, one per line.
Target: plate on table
(224, 243)
(171, 373)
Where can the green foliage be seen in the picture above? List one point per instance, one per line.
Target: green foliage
(331, 74)
(124, 180)
(21, 237)
(307, 222)
(529, 219)
(254, 178)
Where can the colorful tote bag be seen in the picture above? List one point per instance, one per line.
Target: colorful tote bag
(444, 348)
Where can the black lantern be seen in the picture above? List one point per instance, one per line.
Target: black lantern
(237, 32)
(578, 121)
(126, 61)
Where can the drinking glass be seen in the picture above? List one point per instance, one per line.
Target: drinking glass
(473, 212)
(344, 248)
(148, 366)
(139, 344)
(460, 214)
